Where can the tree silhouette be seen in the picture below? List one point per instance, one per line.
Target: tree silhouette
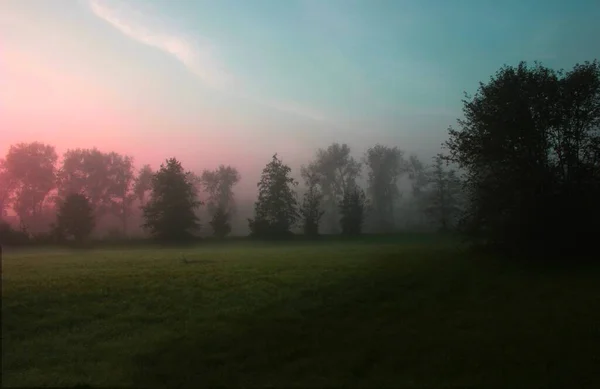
(76, 217)
(275, 212)
(442, 198)
(30, 170)
(337, 170)
(310, 210)
(143, 184)
(169, 215)
(353, 210)
(220, 223)
(218, 184)
(530, 147)
(385, 166)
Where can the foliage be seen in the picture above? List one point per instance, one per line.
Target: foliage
(275, 212)
(385, 166)
(75, 217)
(310, 210)
(442, 197)
(530, 147)
(11, 237)
(143, 183)
(220, 223)
(7, 186)
(169, 215)
(29, 170)
(336, 171)
(218, 184)
(353, 211)
(121, 176)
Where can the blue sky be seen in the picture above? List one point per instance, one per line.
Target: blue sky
(212, 80)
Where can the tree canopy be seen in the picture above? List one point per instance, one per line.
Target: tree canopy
(530, 146)
(75, 217)
(276, 210)
(170, 213)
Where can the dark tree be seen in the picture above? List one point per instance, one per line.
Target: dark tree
(310, 210)
(530, 147)
(220, 223)
(75, 217)
(169, 215)
(442, 198)
(218, 184)
(353, 210)
(385, 166)
(276, 210)
(337, 170)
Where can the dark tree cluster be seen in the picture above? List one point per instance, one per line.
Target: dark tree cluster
(530, 147)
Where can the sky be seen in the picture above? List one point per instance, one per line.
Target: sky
(233, 82)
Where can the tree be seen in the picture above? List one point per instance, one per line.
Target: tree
(311, 205)
(218, 184)
(530, 147)
(275, 212)
(7, 186)
(337, 170)
(353, 210)
(76, 217)
(86, 171)
(442, 200)
(169, 215)
(106, 179)
(121, 179)
(143, 183)
(385, 166)
(417, 175)
(220, 223)
(30, 170)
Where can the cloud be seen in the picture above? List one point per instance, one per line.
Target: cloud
(197, 55)
(199, 59)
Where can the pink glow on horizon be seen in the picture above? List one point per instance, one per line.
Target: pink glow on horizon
(42, 103)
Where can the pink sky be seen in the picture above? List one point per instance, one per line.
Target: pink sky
(77, 74)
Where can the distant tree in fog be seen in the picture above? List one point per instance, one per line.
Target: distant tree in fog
(86, 171)
(169, 214)
(336, 170)
(75, 217)
(106, 179)
(443, 195)
(310, 210)
(276, 210)
(7, 186)
(121, 176)
(29, 170)
(220, 223)
(218, 184)
(353, 209)
(143, 184)
(385, 166)
(417, 174)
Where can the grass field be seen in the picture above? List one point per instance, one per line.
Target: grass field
(363, 314)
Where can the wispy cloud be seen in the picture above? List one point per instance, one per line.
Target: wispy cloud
(199, 56)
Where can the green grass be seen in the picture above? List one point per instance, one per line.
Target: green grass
(364, 314)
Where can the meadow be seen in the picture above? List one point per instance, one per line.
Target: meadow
(371, 313)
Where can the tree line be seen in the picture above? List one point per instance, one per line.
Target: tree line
(65, 200)
(527, 152)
